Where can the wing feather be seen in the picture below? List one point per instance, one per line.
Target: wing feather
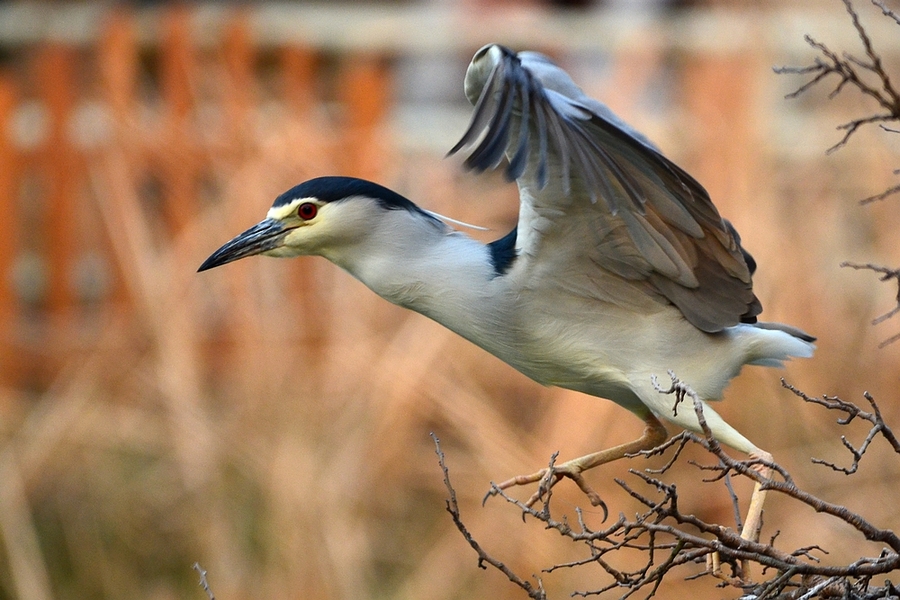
(586, 176)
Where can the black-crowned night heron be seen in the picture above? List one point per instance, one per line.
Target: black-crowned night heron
(620, 268)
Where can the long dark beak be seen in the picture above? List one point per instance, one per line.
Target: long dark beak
(265, 235)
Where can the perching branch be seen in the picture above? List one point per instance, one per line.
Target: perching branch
(669, 539)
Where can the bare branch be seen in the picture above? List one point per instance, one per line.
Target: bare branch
(203, 582)
(888, 192)
(849, 70)
(886, 11)
(669, 538)
(887, 274)
(852, 411)
(483, 557)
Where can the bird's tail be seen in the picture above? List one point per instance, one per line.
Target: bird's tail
(774, 343)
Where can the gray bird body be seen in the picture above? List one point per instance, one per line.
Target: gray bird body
(546, 319)
(622, 268)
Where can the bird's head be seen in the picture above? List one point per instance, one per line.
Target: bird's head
(320, 216)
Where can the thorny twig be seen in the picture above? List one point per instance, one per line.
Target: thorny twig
(203, 581)
(668, 539)
(853, 72)
(483, 557)
(887, 275)
(852, 411)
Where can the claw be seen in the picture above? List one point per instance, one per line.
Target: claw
(490, 493)
(654, 435)
(548, 477)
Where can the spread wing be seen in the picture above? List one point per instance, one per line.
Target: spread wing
(608, 214)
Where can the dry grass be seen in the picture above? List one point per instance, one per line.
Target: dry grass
(270, 419)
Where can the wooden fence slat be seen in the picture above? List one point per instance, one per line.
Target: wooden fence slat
(298, 72)
(364, 92)
(238, 56)
(178, 156)
(10, 172)
(118, 61)
(117, 57)
(57, 87)
(719, 92)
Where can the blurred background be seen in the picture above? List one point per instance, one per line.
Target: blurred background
(270, 419)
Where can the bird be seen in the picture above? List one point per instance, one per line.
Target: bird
(620, 269)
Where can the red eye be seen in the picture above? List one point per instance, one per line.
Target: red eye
(307, 211)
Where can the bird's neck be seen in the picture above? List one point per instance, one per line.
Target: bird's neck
(425, 266)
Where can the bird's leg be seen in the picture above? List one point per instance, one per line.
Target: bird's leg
(753, 522)
(654, 435)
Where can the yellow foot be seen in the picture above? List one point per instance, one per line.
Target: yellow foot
(714, 567)
(654, 435)
(550, 476)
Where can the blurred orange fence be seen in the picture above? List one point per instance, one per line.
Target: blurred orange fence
(63, 105)
(177, 94)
